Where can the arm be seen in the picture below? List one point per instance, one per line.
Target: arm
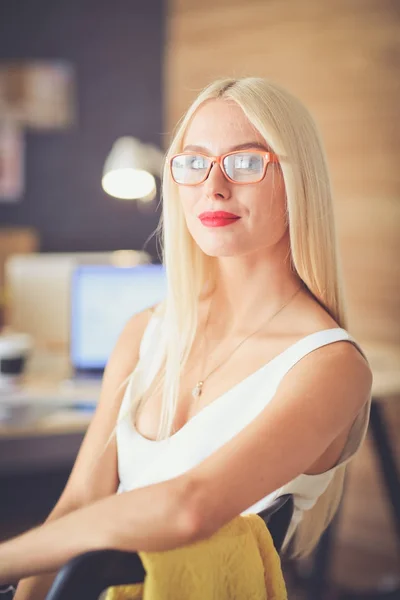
(94, 475)
(36, 588)
(297, 432)
(152, 518)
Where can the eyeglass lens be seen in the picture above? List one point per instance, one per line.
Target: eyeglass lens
(243, 167)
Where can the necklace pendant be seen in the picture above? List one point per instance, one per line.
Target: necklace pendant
(196, 391)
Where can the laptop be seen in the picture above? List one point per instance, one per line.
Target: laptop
(103, 299)
(39, 289)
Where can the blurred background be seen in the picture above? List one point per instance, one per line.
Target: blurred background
(90, 93)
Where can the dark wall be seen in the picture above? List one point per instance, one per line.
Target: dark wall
(116, 47)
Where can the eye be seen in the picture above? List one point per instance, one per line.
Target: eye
(198, 162)
(243, 166)
(248, 162)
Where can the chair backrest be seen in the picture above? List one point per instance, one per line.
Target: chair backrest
(277, 517)
(86, 576)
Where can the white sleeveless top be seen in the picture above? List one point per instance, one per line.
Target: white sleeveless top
(142, 462)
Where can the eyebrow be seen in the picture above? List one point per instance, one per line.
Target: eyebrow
(245, 146)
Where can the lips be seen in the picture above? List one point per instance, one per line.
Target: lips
(218, 214)
(218, 218)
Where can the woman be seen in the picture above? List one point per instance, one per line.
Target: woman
(243, 385)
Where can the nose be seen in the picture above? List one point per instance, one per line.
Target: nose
(216, 184)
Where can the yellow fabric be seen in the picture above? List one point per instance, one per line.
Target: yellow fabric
(238, 562)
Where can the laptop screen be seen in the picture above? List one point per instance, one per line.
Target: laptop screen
(103, 298)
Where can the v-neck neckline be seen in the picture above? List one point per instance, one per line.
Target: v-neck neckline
(224, 395)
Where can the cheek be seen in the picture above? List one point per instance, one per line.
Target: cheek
(188, 198)
(268, 205)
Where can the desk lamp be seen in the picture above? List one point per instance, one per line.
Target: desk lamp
(130, 168)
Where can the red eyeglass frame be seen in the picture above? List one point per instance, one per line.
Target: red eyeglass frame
(270, 157)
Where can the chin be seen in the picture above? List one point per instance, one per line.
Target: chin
(215, 245)
(221, 250)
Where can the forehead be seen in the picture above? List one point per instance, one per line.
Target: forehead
(218, 126)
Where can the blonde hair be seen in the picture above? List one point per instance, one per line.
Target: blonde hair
(289, 130)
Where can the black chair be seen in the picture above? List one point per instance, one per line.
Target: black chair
(87, 575)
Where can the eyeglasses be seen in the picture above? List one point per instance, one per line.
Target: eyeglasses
(193, 168)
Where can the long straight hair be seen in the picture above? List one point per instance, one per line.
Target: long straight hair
(290, 131)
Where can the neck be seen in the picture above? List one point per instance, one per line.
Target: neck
(251, 287)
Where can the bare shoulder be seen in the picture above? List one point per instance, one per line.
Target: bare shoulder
(339, 360)
(345, 360)
(337, 371)
(124, 356)
(331, 386)
(126, 351)
(343, 353)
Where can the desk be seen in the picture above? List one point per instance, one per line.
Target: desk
(42, 447)
(48, 420)
(39, 445)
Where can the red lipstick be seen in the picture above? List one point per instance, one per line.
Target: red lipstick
(218, 218)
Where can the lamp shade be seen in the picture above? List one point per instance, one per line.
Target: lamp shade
(130, 168)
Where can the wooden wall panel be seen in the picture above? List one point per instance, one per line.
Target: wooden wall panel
(342, 59)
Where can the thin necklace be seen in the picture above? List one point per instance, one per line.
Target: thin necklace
(198, 388)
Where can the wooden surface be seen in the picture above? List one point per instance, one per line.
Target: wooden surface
(47, 410)
(341, 59)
